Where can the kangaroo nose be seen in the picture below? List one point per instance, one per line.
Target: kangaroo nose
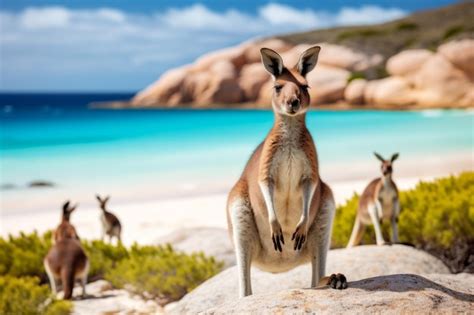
(295, 104)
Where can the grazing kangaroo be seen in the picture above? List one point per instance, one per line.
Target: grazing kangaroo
(110, 223)
(66, 261)
(378, 202)
(280, 194)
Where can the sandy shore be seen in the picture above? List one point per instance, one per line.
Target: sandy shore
(147, 221)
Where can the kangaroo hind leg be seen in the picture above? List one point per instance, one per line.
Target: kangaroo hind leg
(245, 236)
(357, 233)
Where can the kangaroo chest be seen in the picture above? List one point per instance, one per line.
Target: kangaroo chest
(387, 196)
(289, 166)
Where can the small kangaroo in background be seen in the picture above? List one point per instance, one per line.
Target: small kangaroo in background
(378, 202)
(66, 261)
(280, 196)
(110, 223)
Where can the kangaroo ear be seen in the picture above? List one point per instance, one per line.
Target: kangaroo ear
(98, 198)
(308, 60)
(106, 199)
(378, 156)
(71, 209)
(394, 157)
(66, 206)
(272, 61)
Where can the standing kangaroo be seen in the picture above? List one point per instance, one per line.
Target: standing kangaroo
(66, 261)
(280, 195)
(379, 201)
(110, 223)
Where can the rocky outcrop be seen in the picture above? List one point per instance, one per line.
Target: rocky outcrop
(426, 79)
(393, 294)
(356, 263)
(235, 76)
(355, 91)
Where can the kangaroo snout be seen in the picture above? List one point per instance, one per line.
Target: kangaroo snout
(293, 106)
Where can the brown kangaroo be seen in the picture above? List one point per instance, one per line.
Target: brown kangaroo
(110, 223)
(66, 261)
(280, 195)
(378, 202)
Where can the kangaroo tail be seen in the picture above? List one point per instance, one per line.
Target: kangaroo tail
(67, 278)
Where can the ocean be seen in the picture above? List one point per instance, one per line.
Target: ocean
(149, 153)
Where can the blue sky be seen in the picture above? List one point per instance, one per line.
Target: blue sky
(117, 45)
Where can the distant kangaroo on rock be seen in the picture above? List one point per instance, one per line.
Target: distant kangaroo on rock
(378, 202)
(110, 223)
(66, 261)
(280, 197)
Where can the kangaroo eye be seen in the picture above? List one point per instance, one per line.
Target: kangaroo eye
(278, 88)
(305, 87)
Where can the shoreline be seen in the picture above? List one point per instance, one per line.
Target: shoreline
(145, 222)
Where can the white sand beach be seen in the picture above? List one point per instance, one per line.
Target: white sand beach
(145, 221)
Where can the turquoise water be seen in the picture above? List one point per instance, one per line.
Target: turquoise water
(76, 147)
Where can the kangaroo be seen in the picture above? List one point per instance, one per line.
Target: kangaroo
(66, 261)
(110, 223)
(378, 202)
(280, 195)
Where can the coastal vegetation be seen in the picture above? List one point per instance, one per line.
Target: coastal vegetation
(436, 216)
(155, 272)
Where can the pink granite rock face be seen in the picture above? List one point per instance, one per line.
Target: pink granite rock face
(235, 76)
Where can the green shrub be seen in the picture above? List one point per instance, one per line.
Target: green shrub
(453, 31)
(103, 257)
(23, 255)
(406, 26)
(355, 75)
(161, 273)
(435, 216)
(359, 33)
(25, 296)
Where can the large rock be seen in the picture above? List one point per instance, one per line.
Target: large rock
(163, 90)
(354, 92)
(356, 263)
(346, 58)
(389, 92)
(393, 294)
(460, 54)
(407, 62)
(235, 55)
(440, 83)
(327, 84)
(252, 77)
(211, 241)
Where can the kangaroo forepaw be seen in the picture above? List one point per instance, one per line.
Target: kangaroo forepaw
(337, 281)
(299, 236)
(277, 235)
(278, 240)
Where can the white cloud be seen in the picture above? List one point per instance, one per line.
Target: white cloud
(367, 15)
(278, 14)
(57, 46)
(38, 18)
